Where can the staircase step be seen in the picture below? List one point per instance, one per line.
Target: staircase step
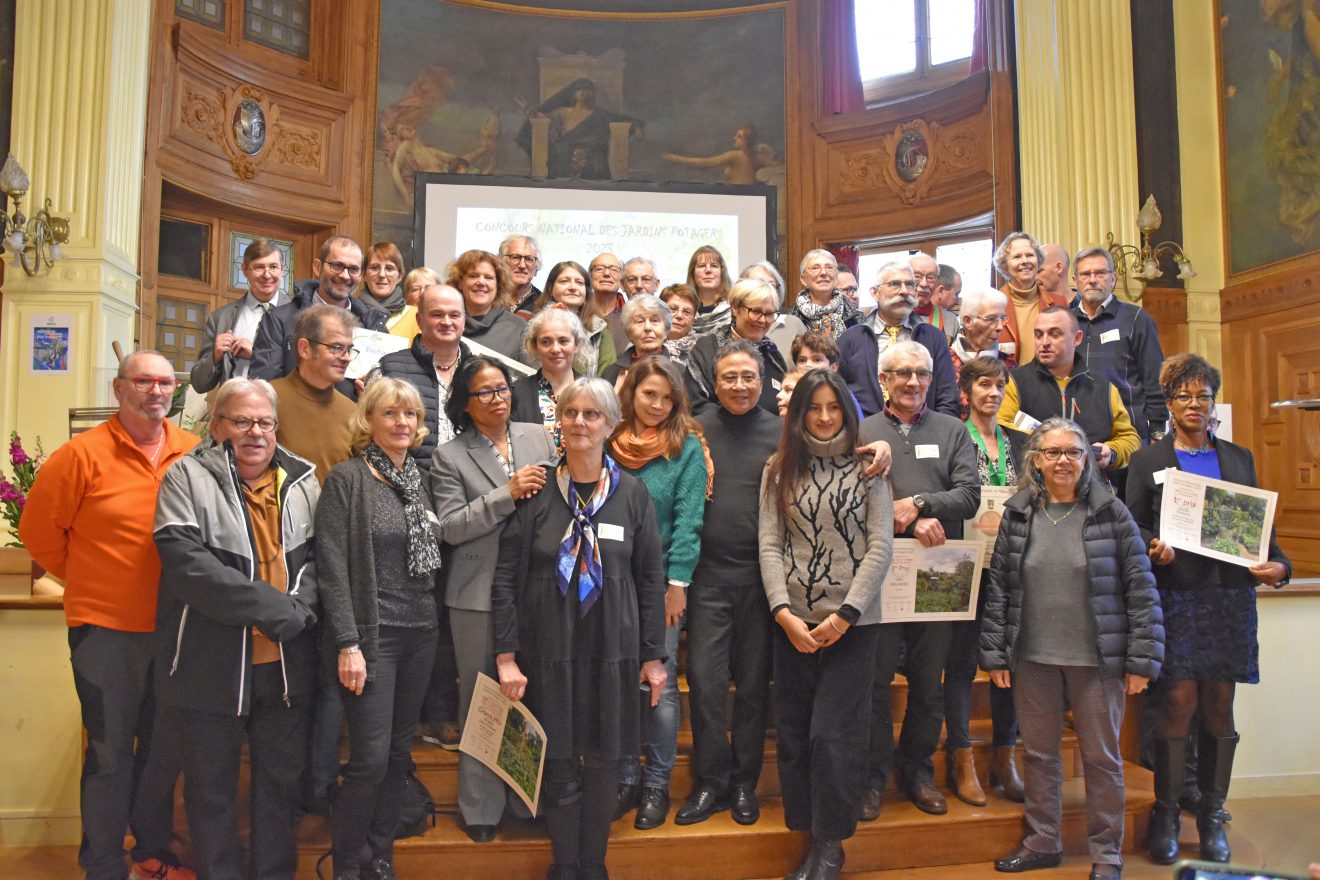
(903, 837)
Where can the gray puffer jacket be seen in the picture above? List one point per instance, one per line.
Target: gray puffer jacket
(1129, 622)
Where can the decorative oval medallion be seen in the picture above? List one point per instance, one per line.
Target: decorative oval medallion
(249, 126)
(912, 156)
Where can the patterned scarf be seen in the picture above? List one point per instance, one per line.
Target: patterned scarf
(423, 548)
(571, 552)
(831, 319)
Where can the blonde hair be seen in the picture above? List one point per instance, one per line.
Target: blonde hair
(385, 391)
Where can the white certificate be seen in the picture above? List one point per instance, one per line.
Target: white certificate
(931, 583)
(984, 524)
(1216, 518)
(371, 345)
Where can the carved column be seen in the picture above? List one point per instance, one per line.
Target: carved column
(1198, 136)
(1076, 121)
(80, 93)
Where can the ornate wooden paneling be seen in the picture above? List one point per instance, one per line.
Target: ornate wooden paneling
(1271, 324)
(1168, 307)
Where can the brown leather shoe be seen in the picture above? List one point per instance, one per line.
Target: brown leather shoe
(927, 798)
(871, 805)
(962, 777)
(1004, 773)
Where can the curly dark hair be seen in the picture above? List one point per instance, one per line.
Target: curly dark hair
(1180, 370)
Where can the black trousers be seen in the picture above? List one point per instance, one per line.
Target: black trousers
(927, 651)
(728, 640)
(441, 704)
(579, 795)
(212, 746)
(381, 723)
(822, 730)
(128, 773)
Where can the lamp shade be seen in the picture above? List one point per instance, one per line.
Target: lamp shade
(13, 179)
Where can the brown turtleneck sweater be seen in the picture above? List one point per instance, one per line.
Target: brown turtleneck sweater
(314, 423)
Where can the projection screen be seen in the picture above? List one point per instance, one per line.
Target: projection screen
(575, 220)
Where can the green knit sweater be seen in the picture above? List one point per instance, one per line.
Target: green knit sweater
(678, 488)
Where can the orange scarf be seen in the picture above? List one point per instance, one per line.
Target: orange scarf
(634, 451)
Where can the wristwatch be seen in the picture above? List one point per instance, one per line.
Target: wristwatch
(919, 503)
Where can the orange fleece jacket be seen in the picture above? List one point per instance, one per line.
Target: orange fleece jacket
(89, 520)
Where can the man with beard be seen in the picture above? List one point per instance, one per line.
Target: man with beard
(893, 321)
(1120, 340)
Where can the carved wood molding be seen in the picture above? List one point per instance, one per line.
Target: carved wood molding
(1283, 290)
(911, 159)
(217, 115)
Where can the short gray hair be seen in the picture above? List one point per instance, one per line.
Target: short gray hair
(975, 299)
(313, 320)
(1094, 251)
(649, 304)
(241, 388)
(536, 323)
(768, 266)
(504, 245)
(906, 347)
(1001, 252)
(892, 265)
(817, 252)
(1029, 475)
(645, 260)
(599, 392)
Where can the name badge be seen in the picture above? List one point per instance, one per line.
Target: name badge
(927, 450)
(1025, 423)
(1159, 478)
(1008, 348)
(1109, 336)
(776, 384)
(609, 532)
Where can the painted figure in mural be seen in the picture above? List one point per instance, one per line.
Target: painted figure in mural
(426, 92)
(740, 164)
(579, 132)
(412, 155)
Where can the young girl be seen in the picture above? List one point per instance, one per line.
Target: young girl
(826, 539)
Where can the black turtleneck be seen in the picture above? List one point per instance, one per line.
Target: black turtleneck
(739, 449)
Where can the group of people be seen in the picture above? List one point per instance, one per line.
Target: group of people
(711, 456)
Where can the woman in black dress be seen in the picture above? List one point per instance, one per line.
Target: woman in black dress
(579, 613)
(1209, 613)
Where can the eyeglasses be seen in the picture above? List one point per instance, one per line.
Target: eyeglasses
(682, 311)
(522, 259)
(1186, 399)
(277, 271)
(606, 270)
(590, 416)
(821, 270)
(919, 277)
(143, 384)
(638, 279)
(338, 349)
(899, 284)
(760, 314)
(852, 289)
(733, 380)
(1072, 453)
(1096, 273)
(904, 374)
(488, 395)
(996, 320)
(265, 423)
(338, 268)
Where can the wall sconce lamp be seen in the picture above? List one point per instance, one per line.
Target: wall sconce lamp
(1142, 264)
(34, 243)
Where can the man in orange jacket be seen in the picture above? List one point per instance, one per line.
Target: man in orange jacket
(89, 521)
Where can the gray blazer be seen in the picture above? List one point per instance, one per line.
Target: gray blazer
(206, 373)
(472, 501)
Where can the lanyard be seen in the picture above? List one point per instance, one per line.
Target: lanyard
(998, 473)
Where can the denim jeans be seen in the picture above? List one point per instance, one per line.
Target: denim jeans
(659, 726)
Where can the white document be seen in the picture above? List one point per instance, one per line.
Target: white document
(517, 367)
(371, 345)
(507, 738)
(1215, 518)
(984, 524)
(931, 583)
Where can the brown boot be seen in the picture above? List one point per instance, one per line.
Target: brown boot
(1004, 772)
(962, 777)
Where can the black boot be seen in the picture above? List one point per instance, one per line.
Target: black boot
(829, 860)
(628, 799)
(803, 871)
(1162, 832)
(1215, 770)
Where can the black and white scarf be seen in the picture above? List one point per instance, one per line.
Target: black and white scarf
(423, 547)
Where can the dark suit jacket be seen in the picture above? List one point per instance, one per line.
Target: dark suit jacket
(472, 501)
(206, 373)
(1189, 571)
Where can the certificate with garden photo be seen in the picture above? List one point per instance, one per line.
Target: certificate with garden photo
(1215, 518)
(931, 583)
(506, 737)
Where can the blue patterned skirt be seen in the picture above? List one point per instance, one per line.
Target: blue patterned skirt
(1210, 635)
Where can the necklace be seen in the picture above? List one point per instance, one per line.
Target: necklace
(445, 368)
(1203, 449)
(1060, 519)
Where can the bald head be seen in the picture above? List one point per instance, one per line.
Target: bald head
(1053, 275)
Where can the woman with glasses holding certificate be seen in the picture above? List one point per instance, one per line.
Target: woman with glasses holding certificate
(1071, 620)
(476, 479)
(1209, 614)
